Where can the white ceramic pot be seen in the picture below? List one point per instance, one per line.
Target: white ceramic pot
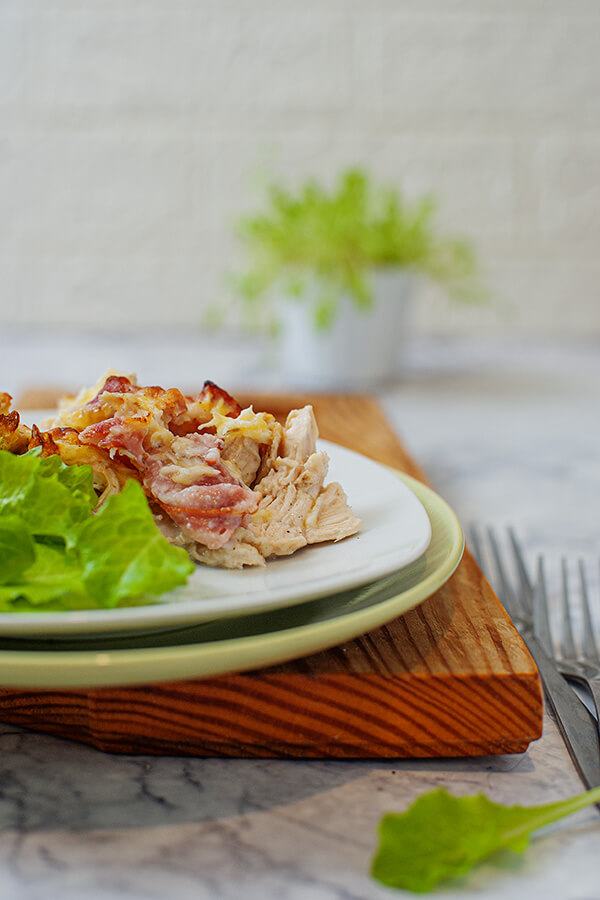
(362, 348)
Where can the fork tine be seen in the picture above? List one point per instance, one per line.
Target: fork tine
(567, 644)
(588, 643)
(541, 622)
(524, 579)
(475, 544)
(509, 597)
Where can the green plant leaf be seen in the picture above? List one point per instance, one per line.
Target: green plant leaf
(320, 241)
(324, 312)
(442, 836)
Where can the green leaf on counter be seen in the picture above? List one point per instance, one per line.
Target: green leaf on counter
(441, 836)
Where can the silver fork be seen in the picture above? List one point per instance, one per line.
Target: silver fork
(583, 666)
(577, 726)
(517, 601)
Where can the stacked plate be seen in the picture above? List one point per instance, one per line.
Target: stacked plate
(223, 621)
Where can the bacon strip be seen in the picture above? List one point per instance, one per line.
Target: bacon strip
(214, 394)
(14, 436)
(208, 510)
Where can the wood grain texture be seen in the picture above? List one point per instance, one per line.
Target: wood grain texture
(449, 678)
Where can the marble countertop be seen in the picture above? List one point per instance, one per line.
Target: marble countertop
(506, 433)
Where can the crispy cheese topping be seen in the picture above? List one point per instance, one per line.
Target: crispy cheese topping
(231, 485)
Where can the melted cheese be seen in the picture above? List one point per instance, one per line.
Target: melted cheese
(256, 426)
(187, 474)
(84, 396)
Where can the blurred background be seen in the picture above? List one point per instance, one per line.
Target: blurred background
(133, 136)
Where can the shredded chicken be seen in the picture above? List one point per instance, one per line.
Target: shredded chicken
(244, 454)
(295, 508)
(230, 485)
(300, 434)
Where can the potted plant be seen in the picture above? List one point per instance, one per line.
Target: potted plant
(332, 274)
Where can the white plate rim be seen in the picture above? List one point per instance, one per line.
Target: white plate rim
(154, 616)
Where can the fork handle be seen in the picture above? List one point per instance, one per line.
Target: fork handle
(578, 727)
(594, 686)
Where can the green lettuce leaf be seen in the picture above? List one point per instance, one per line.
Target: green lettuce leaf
(80, 481)
(441, 836)
(17, 549)
(45, 494)
(56, 575)
(55, 553)
(124, 554)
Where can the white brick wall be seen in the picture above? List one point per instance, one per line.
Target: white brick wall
(132, 131)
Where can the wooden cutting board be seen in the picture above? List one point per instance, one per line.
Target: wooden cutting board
(450, 678)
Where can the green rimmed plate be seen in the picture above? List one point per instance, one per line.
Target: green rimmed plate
(247, 642)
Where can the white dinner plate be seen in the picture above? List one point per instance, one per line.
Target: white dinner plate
(246, 642)
(395, 532)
